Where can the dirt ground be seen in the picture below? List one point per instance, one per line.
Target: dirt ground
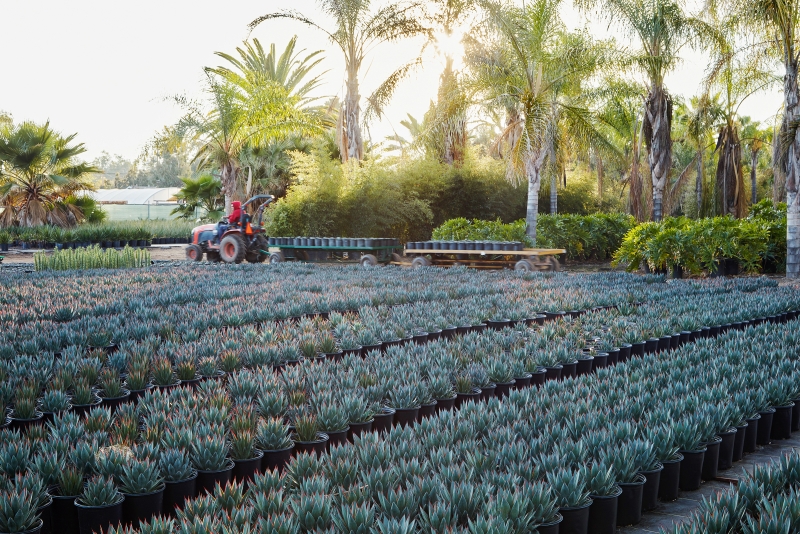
(157, 252)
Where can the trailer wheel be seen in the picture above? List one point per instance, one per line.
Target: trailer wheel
(368, 260)
(276, 257)
(194, 253)
(524, 266)
(420, 262)
(554, 265)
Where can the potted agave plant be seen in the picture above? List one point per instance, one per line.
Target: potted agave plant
(572, 499)
(404, 399)
(326, 345)
(780, 397)
(543, 509)
(111, 391)
(247, 459)
(307, 436)
(99, 506)
(604, 492)
(522, 378)
(689, 440)
(163, 374)
(25, 414)
(501, 373)
(359, 414)
(667, 454)
(443, 391)
(274, 441)
(465, 390)
(626, 470)
(143, 487)
(18, 512)
(480, 379)
(180, 479)
(84, 397)
(650, 468)
(138, 379)
(186, 371)
(69, 486)
(427, 401)
(210, 458)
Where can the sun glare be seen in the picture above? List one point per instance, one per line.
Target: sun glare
(450, 45)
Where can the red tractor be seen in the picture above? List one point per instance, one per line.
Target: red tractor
(234, 243)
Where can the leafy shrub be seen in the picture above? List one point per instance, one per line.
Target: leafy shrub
(476, 230)
(584, 237)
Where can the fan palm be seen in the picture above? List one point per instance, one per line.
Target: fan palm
(662, 28)
(533, 70)
(358, 29)
(39, 171)
(203, 192)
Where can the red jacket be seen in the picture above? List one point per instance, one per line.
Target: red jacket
(236, 214)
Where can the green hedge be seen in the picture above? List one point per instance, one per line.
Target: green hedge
(461, 229)
(584, 237)
(96, 233)
(697, 246)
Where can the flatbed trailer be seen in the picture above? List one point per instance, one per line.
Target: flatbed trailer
(367, 256)
(529, 259)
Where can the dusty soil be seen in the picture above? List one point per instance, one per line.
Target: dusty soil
(157, 252)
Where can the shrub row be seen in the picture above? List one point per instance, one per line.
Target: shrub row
(121, 232)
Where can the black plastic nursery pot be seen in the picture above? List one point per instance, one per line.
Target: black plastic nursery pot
(601, 359)
(570, 370)
(427, 410)
(575, 519)
(765, 426)
(523, 381)
(553, 373)
(629, 509)
(538, 378)
(584, 366)
(751, 434)
(98, 518)
(625, 352)
(318, 447)
(692, 469)
(245, 470)
(487, 392)
(796, 415)
(651, 345)
(637, 349)
(24, 424)
(206, 480)
(338, 437)
(114, 402)
(65, 513)
(461, 398)
(366, 349)
(405, 416)
(664, 343)
(137, 508)
(613, 357)
(446, 404)
(503, 390)
(603, 513)
(276, 459)
(356, 429)
(685, 334)
(728, 442)
(669, 485)
(675, 341)
(711, 459)
(738, 442)
(46, 514)
(650, 488)
(382, 422)
(782, 422)
(176, 493)
(551, 527)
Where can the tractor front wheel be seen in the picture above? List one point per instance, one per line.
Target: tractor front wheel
(232, 249)
(194, 253)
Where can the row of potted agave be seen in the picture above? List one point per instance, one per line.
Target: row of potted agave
(90, 309)
(764, 501)
(239, 387)
(583, 453)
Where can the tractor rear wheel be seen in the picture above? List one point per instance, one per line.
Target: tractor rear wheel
(232, 249)
(194, 253)
(254, 255)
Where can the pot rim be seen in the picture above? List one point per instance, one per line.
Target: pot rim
(229, 464)
(636, 483)
(193, 477)
(579, 507)
(258, 456)
(653, 471)
(323, 437)
(617, 493)
(85, 507)
(698, 451)
(161, 488)
(558, 518)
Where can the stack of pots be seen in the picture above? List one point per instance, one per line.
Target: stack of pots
(502, 246)
(334, 242)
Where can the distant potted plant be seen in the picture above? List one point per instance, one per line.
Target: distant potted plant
(604, 492)
(307, 435)
(210, 458)
(99, 506)
(273, 439)
(143, 487)
(180, 479)
(572, 499)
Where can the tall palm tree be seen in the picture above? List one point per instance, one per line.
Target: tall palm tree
(39, 171)
(774, 25)
(357, 30)
(533, 69)
(755, 139)
(236, 119)
(662, 28)
(203, 192)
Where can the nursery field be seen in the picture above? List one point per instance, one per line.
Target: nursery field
(298, 399)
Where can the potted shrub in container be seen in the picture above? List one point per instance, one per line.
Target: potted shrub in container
(624, 461)
(34, 485)
(99, 506)
(383, 418)
(138, 379)
(427, 401)
(25, 414)
(68, 488)
(663, 441)
(180, 479)
(84, 397)
(143, 487)
(465, 390)
(572, 499)
(333, 421)
(18, 514)
(359, 416)
(650, 468)
(307, 436)
(163, 374)
(405, 401)
(274, 441)
(480, 379)
(502, 375)
(186, 371)
(327, 347)
(689, 440)
(780, 397)
(210, 458)
(111, 391)
(247, 459)
(604, 492)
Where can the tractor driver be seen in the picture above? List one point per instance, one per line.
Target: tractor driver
(233, 218)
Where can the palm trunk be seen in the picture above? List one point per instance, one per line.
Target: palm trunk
(228, 179)
(533, 168)
(753, 163)
(658, 131)
(553, 194)
(600, 176)
(351, 145)
(698, 186)
(792, 170)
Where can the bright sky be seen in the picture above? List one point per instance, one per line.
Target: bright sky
(105, 68)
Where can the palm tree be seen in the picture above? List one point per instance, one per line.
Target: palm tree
(236, 120)
(39, 172)
(662, 29)
(533, 70)
(204, 192)
(358, 29)
(755, 139)
(254, 68)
